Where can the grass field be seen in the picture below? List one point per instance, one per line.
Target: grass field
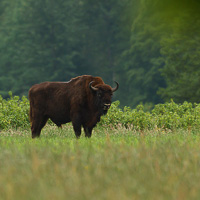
(114, 164)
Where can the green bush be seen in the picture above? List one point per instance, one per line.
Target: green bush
(136, 118)
(166, 116)
(172, 115)
(14, 113)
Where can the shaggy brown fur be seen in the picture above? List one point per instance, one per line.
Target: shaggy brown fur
(74, 101)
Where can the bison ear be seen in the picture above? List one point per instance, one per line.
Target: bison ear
(91, 87)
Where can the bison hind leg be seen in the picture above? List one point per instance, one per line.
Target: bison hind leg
(37, 125)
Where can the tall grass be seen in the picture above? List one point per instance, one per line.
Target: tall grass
(132, 154)
(113, 164)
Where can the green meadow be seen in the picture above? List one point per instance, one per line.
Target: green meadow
(132, 154)
(148, 151)
(115, 163)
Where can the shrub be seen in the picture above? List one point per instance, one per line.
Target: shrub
(14, 113)
(167, 116)
(136, 118)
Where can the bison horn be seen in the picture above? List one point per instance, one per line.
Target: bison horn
(91, 87)
(116, 88)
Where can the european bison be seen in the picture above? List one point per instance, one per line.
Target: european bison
(82, 100)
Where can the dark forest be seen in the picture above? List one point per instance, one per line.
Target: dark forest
(151, 47)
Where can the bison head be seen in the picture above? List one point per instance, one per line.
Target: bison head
(103, 95)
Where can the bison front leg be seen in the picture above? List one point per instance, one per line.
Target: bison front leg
(88, 132)
(88, 127)
(76, 122)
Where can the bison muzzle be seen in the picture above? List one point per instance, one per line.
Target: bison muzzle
(82, 101)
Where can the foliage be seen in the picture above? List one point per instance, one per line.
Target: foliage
(163, 52)
(14, 113)
(136, 118)
(181, 57)
(56, 41)
(144, 45)
(142, 59)
(163, 116)
(38, 43)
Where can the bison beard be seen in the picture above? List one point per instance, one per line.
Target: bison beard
(82, 100)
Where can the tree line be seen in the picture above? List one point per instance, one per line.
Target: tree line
(150, 47)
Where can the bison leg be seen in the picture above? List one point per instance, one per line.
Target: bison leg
(76, 122)
(77, 129)
(37, 126)
(88, 132)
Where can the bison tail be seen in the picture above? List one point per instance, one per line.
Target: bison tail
(31, 111)
(30, 114)
(31, 107)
